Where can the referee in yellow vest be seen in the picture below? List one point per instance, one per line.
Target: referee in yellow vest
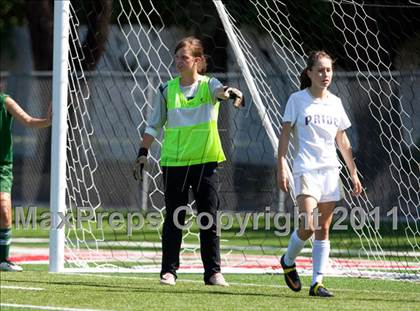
(187, 107)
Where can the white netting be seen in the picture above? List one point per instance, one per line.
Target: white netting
(81, 160)
(376, 79)
(108, 104)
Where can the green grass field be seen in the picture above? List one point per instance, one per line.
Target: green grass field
(35, 288)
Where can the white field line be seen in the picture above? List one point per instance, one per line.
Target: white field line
(241, 284)
(21, 288)
(20, 306)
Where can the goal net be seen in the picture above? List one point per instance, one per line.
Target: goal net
(122, 51)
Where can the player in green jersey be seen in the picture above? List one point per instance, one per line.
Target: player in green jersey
(10, 110)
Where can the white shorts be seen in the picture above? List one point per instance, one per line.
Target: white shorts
(323, 184)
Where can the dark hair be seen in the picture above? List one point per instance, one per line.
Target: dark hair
(197, 50)
(313, 57)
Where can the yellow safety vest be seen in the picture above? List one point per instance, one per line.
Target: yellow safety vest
(190, 133)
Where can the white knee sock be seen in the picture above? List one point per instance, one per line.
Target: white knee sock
(320, 256)
(293, 249)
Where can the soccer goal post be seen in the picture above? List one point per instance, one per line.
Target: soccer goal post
(116, 54)
(59, 133)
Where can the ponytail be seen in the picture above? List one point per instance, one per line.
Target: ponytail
(304, 79)
(202, 66)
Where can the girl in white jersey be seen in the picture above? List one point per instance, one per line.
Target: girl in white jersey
(318, 121)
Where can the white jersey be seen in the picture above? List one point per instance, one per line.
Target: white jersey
(315, 124)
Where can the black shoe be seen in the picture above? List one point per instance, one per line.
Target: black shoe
(319, 290)
(291, 276)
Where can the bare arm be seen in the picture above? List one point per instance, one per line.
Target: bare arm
(282, 177)
(25, 119)
(147, 141)
(345, 149)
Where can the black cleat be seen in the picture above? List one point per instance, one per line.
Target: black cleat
(291, 276)
(319, 290)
